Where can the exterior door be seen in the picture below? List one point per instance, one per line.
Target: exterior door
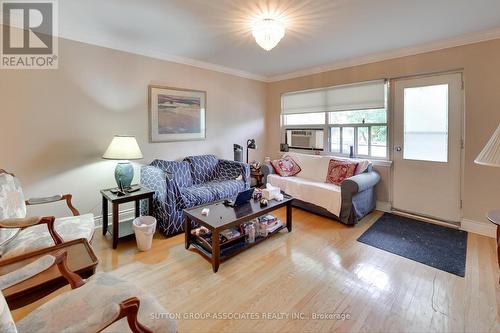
(428, 114)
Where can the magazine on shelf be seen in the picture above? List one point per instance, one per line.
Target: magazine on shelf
(268, 219)
(274, 227)
(230, 234)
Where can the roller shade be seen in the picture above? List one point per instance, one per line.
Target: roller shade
(358, 96)
(304, 102)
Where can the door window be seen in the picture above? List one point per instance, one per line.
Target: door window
(426, 123)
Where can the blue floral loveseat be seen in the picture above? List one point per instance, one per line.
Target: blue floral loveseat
(191, 182)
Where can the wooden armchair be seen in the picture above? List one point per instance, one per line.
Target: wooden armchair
(20, 234)
(99, 304)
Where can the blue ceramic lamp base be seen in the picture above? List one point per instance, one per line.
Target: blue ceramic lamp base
(124, 173)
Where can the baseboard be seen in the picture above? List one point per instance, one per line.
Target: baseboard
(477, 227)
(384, 206)
(123, 215)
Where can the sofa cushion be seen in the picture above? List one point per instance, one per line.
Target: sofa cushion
(286, 167)
(321, 194)
(339, 170)
(224, 189)
(179, 171)
(197, 195)
(211, 191)
(203, 168)
(313, 167)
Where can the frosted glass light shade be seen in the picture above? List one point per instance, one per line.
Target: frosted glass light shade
(123, 148)
(490, 155)
(268, 33)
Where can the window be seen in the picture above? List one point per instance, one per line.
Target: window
(426, 123)
(349, 116)
(364, 130)
(304, 119)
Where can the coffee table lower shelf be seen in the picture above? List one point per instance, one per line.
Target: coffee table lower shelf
(231, 250)
(224, 217)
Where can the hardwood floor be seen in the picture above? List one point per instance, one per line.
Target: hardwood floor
(319, 268)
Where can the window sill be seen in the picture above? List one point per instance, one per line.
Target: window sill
(375, 162)
(382, 163)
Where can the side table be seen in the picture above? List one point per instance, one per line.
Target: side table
(107, 195)
(494, 217)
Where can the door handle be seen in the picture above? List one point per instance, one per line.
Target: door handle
(398, 148)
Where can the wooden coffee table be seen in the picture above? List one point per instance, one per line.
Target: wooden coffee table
(81, 260)
(222, 217)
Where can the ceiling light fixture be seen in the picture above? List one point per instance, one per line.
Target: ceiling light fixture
(268, 32)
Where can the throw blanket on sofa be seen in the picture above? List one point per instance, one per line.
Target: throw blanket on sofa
(309, 184)
(325, 195)
(194, 181)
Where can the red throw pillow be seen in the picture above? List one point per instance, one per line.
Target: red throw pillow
(338, 171)
(286, 167)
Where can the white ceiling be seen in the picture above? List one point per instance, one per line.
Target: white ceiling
(215, 33)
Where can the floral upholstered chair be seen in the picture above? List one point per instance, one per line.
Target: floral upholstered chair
(102, 303)
(20, 234)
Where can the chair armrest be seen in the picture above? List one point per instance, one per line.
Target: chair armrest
(39, 266)
(20, 222)
(228, 169)
(129, 309)
(360, 183)
(31, 221)
(55, 198)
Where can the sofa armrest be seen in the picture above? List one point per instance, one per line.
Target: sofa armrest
(227, 169)
(267, 169)
(360, 183)
(166, 190)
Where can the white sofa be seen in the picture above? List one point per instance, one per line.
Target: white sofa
(349, 202)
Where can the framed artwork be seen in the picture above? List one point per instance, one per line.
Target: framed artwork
(176, 114)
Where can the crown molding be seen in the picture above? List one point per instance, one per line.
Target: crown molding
(376, 57)
(471, 38)
(170, 58)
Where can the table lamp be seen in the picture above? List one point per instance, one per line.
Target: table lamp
(124, 148)
(250, 145)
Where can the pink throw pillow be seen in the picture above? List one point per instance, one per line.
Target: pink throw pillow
(339, 170)
(286, 167)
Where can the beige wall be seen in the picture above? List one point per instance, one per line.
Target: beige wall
(481, 66)
(56, 124)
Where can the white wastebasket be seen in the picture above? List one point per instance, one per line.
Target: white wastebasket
(144, 229)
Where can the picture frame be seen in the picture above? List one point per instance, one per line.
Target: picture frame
(176, 114)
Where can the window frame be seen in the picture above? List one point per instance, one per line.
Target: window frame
(326, 127)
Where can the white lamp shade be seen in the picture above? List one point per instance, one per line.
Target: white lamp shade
(123, 148)
(490, 155)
